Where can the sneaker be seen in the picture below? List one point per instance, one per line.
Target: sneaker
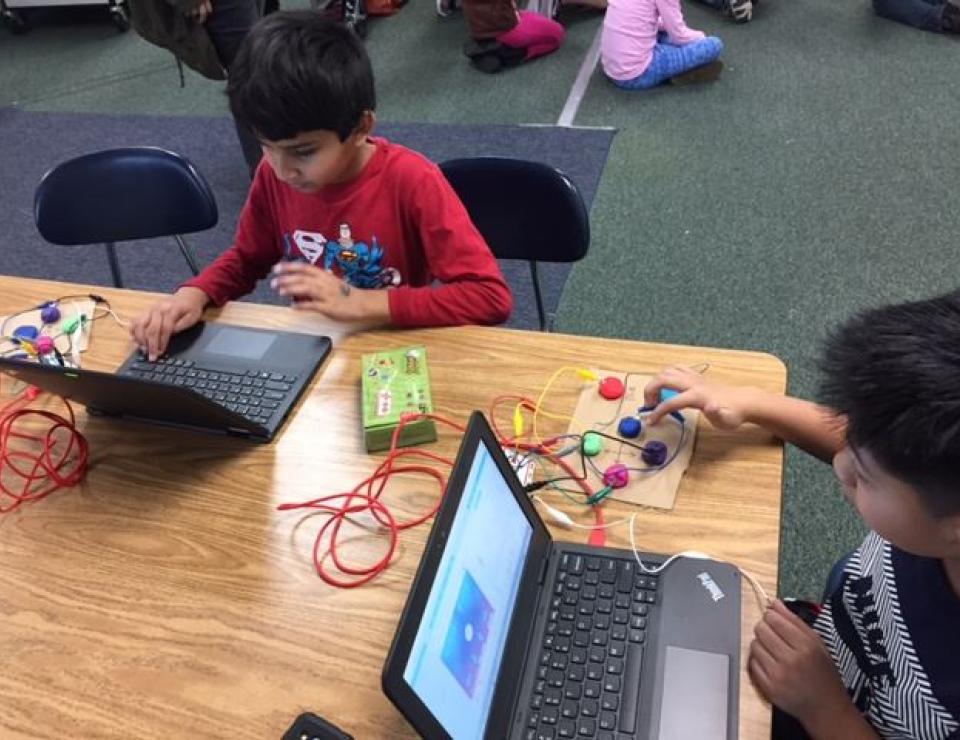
(741, 10)
(705, 73)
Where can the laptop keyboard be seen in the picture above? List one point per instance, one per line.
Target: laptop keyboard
(256, 395)
(587, 681)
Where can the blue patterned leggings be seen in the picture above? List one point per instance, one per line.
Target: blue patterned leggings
(670, 60)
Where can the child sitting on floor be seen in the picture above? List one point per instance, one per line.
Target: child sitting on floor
(882, 657)
(501, 36)
(646, 42)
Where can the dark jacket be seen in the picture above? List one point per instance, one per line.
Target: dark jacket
(162, 22)
(489, 18)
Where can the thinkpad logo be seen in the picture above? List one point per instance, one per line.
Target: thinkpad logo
(711, 585)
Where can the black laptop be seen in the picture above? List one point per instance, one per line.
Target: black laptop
(214, 378)
(510, 634)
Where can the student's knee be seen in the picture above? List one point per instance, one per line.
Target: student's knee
(712, 47)
(538, 30)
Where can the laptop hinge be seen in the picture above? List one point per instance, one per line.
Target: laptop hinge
(544, 567)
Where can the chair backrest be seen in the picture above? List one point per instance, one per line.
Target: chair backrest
(122, 194)
(525, 210)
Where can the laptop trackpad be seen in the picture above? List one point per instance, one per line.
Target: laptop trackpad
(694, 703)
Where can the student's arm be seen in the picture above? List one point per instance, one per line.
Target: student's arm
(256, 247)
(472, 289)
(811, 427)
(671, 20)
(792, 669)
(233, 274)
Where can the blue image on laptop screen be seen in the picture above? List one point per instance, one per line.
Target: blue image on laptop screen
(456, 654)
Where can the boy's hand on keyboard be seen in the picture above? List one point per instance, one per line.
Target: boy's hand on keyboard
(725, 406)
(152, 330)
(313, 289)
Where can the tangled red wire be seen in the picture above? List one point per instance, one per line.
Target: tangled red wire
(366, 496)
(44, 461)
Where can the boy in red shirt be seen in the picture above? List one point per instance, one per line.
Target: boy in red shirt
(351, 214)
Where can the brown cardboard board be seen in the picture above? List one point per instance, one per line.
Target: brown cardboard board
(594, 412)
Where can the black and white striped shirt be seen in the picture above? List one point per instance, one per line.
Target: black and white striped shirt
(893, 630)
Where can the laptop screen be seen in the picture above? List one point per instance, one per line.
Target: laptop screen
(456, 653)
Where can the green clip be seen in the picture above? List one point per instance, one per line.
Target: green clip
(600, 495)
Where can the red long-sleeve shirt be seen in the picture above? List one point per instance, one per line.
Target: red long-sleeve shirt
(399, 225)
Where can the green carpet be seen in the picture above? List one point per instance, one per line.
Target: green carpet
(812, 180)
(815, 178)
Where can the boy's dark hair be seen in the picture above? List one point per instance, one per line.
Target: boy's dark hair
(895, 373)
(296, 72)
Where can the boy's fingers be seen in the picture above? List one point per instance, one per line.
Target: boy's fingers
(651, 391)
(760, 653)
(147, 333)
(760, 676)
(291, 283)
(166, 329)
(317, 306)
(136, 331)
(770, 639)
(785, 623)
(676, 403)
(676, 378)
(294, 268)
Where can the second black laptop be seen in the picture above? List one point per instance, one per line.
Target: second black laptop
(509, 634)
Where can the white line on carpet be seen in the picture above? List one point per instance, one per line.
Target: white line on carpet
(579, 89)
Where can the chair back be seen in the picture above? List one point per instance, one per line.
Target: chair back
(524, 210)
(123, 194)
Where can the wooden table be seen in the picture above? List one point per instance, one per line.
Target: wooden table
(166, 597)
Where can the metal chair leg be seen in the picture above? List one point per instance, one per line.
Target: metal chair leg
(114, 264)
(539, 297)
(188, 254)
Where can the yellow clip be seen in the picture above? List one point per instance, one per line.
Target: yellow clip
(517, 422)
(587, 374)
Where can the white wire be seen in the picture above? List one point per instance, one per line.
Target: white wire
(566, 521)
(761, 594)
(117, 318)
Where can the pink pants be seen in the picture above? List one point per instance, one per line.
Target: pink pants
(536, 33)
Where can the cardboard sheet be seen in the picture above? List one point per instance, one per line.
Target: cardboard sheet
(657, 488)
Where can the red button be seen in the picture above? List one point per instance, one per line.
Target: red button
(611, 388)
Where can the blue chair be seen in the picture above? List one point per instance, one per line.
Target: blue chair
(525, 211)
(123, 194)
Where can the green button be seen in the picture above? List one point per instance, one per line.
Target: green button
(592, 444)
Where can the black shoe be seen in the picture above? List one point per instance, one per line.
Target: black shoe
(490, 56)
